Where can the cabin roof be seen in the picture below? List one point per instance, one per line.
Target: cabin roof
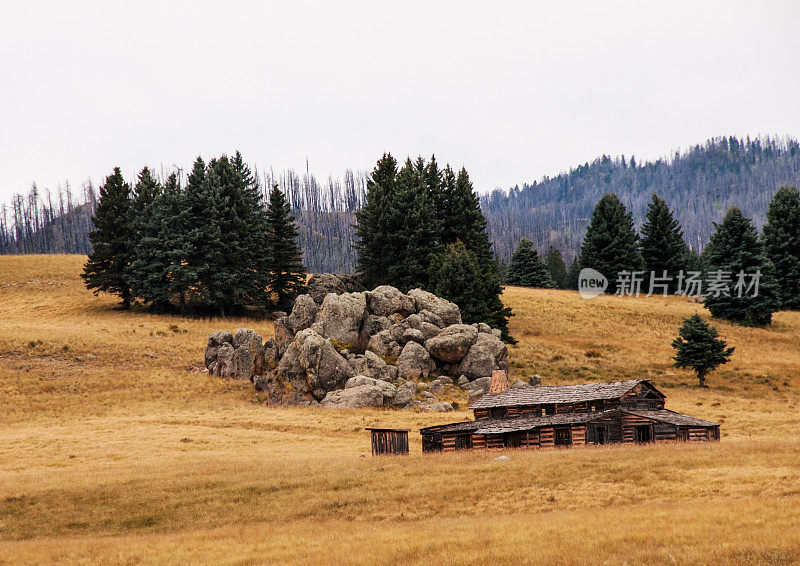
(528, 422)
(670, 417)
(524, 422)
(544, 394)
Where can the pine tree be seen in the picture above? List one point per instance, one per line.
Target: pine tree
(372, 231)
(698, 347)
(662, 244)
(412, 230)
(574, 273)
(527, 268)
(556, 268)
(459, 275)
(734, 249)
(106, 269)
(203, 237)
(782, 245)
(146, 268)
(611, 244)
(287, 276)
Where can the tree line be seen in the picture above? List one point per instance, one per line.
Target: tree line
(211, 244)
(667, 264)
(700, 184)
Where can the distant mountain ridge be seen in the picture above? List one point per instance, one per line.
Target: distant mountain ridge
(699, 184)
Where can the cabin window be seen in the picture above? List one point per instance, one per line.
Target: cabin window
(498, 412)
(463, 441)
(549, 410)
(562, 436)
(642, 433)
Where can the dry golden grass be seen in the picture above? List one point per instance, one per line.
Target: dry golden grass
(137, 456)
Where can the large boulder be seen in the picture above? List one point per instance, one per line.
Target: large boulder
(372, 365)
(483, 358)
(321, 284)
(427, 329)
(249, 340)
(325, 368)
(303, 313)
(386, 300)
(414, 362)
(405, 393)
(224, 365)
(215, 341)
(481, 384)
(444, 309)
(283, 334)
(341, 317)
(387, 389)
(271, 357)
(371, 326)
(452, 344)
(431, 318)
(384, 345)
(242, 361)
(354, 398)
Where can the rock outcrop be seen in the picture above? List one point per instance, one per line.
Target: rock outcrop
(348, 348)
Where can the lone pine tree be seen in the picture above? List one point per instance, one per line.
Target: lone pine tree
(286, 273)
(699, 347)
(106, 268)
(662, 245)
(526, 267)
(782, 245)
(735, 252)
(611, 244)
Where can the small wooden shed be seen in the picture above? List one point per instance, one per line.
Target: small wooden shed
(389, 440)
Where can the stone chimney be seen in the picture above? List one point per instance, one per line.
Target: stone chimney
(499, 381)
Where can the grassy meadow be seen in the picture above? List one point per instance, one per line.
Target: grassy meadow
(117, 448)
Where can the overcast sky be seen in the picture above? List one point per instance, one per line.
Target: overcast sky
(512, 91)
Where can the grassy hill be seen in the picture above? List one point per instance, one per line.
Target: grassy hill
(115, 447)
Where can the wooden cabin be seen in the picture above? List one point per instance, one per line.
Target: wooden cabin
(567, 415)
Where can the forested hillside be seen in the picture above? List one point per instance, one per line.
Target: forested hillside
(699, 184)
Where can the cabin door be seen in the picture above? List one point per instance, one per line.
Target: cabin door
(600, 435)
(643, 433)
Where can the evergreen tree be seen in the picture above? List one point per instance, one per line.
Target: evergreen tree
(145, 271)
(556, 268)
(527, 268)
(204, 236)
(287, 276)
(735, 249)
(413, 230)
(372, 230)
(160, 272)
(106, 268)
(782, 245)
(459, 275)
(611, 244)
(698, 347)
(662, 244)
(574, 273)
